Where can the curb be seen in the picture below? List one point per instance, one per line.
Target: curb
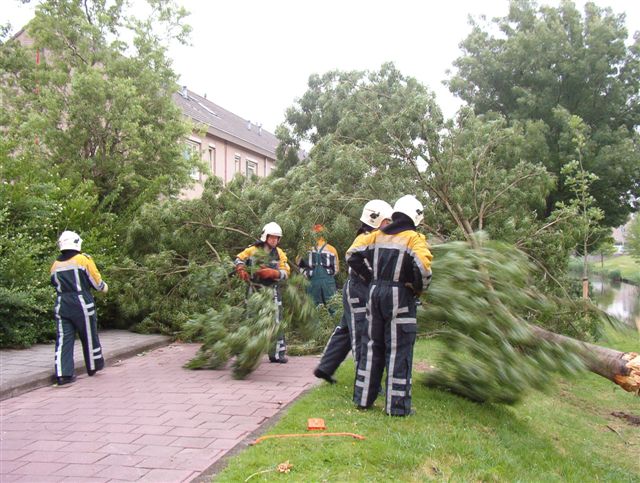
(45, 378)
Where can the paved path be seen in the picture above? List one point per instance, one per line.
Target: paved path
(24, 370)
(145, 418)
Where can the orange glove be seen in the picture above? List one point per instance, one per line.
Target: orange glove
(241, 270)
(266, 273)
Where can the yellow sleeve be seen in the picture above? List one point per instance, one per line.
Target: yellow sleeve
(244, 255)
(283, 265)
(333, 250)
(422, 257)
(358, 252)
(92, 271)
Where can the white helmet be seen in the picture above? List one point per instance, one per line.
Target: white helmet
(411, 207)
(270, 229)
(374, 212)
(69, 240)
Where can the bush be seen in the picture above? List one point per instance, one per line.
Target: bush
(25, 318)
(615, 275)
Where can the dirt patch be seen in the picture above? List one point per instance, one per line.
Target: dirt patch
(629, 418)
(422, 366)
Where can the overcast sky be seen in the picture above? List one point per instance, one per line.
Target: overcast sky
(254, 57)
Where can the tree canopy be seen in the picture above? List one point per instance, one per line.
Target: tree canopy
(537, 63)
(89, 134)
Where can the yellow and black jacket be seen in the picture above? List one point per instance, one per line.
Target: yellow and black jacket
(323, 255)
(277, 259)
(400, 257)
(76, 273)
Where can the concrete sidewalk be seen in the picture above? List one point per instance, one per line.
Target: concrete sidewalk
(27, 369)
(145, 418)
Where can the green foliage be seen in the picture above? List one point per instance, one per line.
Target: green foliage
(538, 59)
(615, 275)
(557, 436)
(25, 317)
(241, 332)
(246, 331)
(89, 134)
(483, 296)
(633, 237)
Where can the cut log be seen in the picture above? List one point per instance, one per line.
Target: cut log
(622, 368)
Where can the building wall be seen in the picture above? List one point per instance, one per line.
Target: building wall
(223, 159)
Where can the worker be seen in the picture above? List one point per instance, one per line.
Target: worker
(320, 267)
(73, 275)
(355, 292)
(267, 276)
(397, 262)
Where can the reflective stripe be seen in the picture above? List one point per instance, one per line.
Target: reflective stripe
(396, 273)
(89, 333)
(369, 358)
(58, 359)
(394, 346)
(352, 311)
(76, 274)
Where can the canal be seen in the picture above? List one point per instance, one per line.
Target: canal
(619, 299)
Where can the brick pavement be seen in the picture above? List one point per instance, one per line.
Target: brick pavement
(27, 369)
(142, 419)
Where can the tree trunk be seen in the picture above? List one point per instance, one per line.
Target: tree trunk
(623, 368)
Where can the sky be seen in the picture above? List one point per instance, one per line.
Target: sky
(254, 57)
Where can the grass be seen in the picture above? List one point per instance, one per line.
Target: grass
(628, 267)
(568, 434)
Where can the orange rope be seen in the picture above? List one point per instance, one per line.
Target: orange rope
(306, 435)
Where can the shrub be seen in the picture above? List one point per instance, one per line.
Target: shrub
(25, 317)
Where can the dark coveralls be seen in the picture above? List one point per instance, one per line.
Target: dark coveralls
(400, 263)
(320, 267)
(346, 336)
(73, 275)
(278, 261)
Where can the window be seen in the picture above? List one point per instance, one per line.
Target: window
(212, 159)
(252, 168)
(191, 151)
(237, 162)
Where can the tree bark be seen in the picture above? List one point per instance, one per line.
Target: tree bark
(622, 368)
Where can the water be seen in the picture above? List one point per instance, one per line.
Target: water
(619, 299)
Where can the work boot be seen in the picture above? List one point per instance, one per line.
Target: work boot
(282, 360)
(412, 412)
(91, 372)
(320, 374)
(64, 380)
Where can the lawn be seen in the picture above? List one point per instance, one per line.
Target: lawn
(569, 434)
(628, 267)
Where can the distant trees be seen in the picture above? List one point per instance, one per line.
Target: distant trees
(633, 237)
(89, 133)
(538, 62)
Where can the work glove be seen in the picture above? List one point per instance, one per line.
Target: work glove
(242, 272)
(105, 289)
(266, 273)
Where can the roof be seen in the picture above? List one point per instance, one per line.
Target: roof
(225, 124)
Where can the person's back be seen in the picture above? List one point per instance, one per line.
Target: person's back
(73, 275)
(396, 260)
(355, 292)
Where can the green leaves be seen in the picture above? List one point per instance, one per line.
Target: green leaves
(483, 298)
(544, 59)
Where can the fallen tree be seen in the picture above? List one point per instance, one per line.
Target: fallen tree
(485, 305)
(623, 368)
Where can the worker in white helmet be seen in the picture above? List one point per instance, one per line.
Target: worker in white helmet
(74, 274)
(267, 277)
(397, 261)
(355, 292)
